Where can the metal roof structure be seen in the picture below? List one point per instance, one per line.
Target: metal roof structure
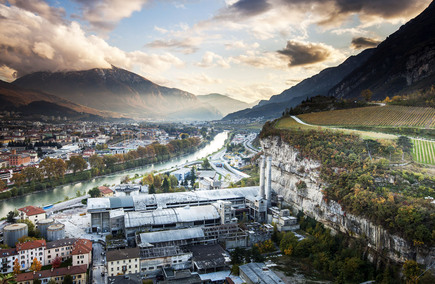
(259, 273)
(143, 202)
(170, 216)
(171, 235)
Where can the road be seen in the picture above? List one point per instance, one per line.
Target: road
(98, 261)
(248, 143)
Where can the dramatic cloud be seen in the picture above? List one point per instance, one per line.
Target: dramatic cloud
(301, 53)
(104, 15)
(43, 45)
(364, 42)
(41, 8)
(186, 45)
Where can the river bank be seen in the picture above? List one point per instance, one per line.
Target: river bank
(59, 193)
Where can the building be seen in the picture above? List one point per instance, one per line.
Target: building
(258, 273)
(78, 274)
(209, 258)
(105, 191)
(154, 259)
(32, 213)
(123, 261)
(284, 222)
(82, 252)
(181, 174)
(30, 250)
(16, 160)
(60, 248)
(7, 257)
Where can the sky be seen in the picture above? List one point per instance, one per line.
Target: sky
(246, 49)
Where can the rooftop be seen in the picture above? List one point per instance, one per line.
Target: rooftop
(208, 256)
(70, 270)
(105, 190)
(31, 245)
(259, 272)
(61, 243)
(31, 210)
(122, 254)
(82, 246)
(171, 235)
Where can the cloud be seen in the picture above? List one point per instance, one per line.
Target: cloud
(239, 44)
(211, 59)
(260, 60)
(41, 8)
(198, 79)
(303, 53)
(104, 15)
(45, 46)
(185, 45)
(364, 42)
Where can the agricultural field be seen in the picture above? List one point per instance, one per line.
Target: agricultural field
(394, 116)
(424, 151)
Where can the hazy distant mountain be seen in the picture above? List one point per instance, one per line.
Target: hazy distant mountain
(223, 103)
(318, 84)
(33, 102)
(404, 62)
(118, 90)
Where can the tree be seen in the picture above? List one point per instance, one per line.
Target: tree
(96, 162)
(32, 174)
(411, 271)
(7, 279)
(76, 163)
(157, 181)
(11, 215)
(288, 243)
(57, 261)
(367, 94)
(192, 175)
(17, 266)
(165, 185)
(151, 189)
(36, 265)
(110, 160)
(174, 181)
(94, 192)
(68, 279)
(48, 165)
(18, 179)
(37, 281)
(206, 164)
(2, 185)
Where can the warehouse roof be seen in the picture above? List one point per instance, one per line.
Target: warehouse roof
(171, 235)
(170, 216)
(260, 273)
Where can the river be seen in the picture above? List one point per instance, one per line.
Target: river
(59, 193)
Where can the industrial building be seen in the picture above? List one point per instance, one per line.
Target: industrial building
(258, 273)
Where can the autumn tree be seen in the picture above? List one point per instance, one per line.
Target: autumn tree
(76, 164)
(411, 271)
(96, 162)
(367, 94)
(18, 179)
(2, 185)
(57, 261)
(110, 160)
(157, 181)
(32, 174)
(48, 166)
(148, 179)
(17, 266)
(36, 265)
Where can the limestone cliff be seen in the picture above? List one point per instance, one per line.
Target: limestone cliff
(288, 169)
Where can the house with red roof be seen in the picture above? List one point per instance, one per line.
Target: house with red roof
(78, 273)
(105, 191)
(32, 213)
(82, 252)
(30, 250)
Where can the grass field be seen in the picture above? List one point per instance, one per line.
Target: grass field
(288, 122)
(394, 116)
(424, 151)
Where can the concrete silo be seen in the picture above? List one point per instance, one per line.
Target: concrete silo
(13, 232)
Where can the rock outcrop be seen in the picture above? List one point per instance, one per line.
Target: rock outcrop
(289, 169)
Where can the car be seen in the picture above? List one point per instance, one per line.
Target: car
(102, 274)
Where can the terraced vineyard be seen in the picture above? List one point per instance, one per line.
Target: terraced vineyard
(395, 116)
(424, 151)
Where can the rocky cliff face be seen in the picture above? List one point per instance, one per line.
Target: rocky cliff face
(288, 169)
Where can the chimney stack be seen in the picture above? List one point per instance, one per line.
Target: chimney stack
(262, 176)
(269, 180)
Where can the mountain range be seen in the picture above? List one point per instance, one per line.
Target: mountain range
(402, 63)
